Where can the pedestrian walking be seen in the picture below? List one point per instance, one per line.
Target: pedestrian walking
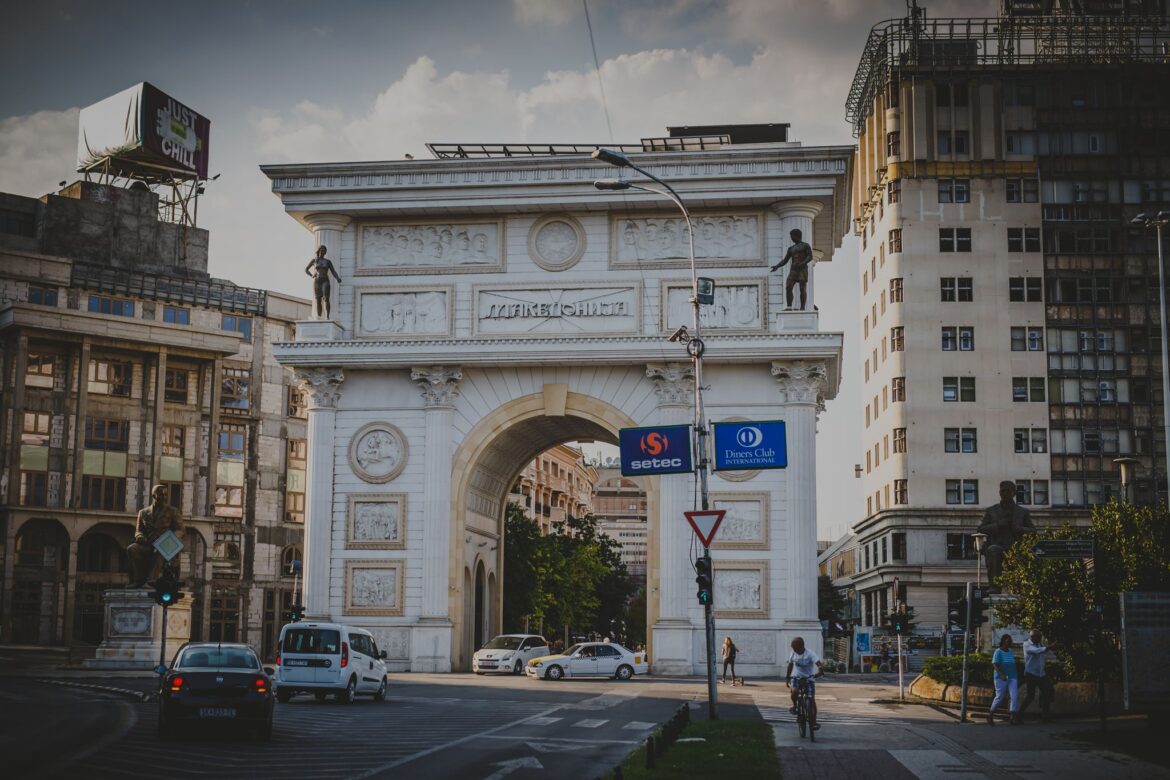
(730, 651)
(1035, 654)
(1006, 680)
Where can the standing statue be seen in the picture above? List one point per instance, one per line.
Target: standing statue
(801, 255)
(158, 518)
(1005, 524)
(319, 268)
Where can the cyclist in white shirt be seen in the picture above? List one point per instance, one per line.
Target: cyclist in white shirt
(804, 663)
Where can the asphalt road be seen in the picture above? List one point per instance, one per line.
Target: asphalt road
(433, 726)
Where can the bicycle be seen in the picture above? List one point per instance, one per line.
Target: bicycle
(806, 710)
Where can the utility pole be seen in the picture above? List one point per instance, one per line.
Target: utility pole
(966, 647)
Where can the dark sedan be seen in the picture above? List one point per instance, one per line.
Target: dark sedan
(215, 682)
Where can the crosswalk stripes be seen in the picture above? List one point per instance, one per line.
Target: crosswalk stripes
(590, 723)
(782, 715)
(639, 725)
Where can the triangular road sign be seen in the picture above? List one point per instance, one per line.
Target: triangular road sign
(706, 523)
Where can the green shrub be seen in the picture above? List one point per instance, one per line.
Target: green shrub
(948, 669)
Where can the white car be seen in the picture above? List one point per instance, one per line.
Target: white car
(590, 659)
(508, 653)
(329, 658)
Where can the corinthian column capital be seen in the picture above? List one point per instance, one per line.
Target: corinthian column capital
(801, 383)
(673, 382)
(439, 384)
(323, 385)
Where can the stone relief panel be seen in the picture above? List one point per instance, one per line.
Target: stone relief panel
(733, 238)
(745, 526)
(454, 247)
(755, 647)
(130, 621)
(373, 588)
(395, 641)
(741, 589)
(376, 521)
(556, 242)
(378, 452)
(382, 312)
(588, 309)
(739, 305)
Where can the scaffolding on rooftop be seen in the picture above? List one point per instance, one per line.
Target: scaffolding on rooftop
(918, 45)
(448, 151)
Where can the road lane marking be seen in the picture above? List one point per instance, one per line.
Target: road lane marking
(639, 725)
(542, 721)
(590, 723)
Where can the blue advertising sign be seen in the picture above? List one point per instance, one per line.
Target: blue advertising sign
(750, 445)
(662, 449)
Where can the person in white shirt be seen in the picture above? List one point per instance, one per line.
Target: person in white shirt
(803, 662)
(1035, 654)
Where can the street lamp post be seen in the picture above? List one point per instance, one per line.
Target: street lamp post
(695, 350)
(1158, 221)
(978, 539)
(1126, 465)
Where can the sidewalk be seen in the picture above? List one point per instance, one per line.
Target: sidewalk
(866, 734)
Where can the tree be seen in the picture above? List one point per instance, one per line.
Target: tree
(1059, 597)
(830, 601)
(522, 573)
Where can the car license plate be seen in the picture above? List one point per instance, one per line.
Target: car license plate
(217, 712)
(296, 662)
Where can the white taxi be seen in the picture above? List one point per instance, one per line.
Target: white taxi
(590, 659)
(508, 653)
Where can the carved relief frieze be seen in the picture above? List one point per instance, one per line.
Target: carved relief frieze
(745, 526)
(723, 239)
(755, 647)
(376, 521)
(586, 309)
(739, 306)
(395, 641)
(741, 589)
(377, 452)
(466, 246)
(374, 588)
(395, 312)
(556, 242)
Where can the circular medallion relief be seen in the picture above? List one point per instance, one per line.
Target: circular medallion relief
(556, 242)
(377, 452)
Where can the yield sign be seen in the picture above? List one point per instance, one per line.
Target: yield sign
(706, 523)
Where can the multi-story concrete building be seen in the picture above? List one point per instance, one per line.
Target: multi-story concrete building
(556, 485)
(620, 506)
(126, 364)
(1009, 308)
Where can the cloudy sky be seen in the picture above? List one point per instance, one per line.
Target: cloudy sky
(299, 81)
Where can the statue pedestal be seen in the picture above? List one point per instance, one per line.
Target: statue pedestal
(318, 330)
(133, 631)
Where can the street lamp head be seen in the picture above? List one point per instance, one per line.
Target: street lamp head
(1140, 219)
(978, 539)
(611, 184)
(1163, 216)
(611, 157)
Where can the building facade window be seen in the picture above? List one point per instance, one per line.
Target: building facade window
(107, 494)
(108, 377)
(959, 388)
(960, 547)
(956, 289)
(893, 191)
(895, 240)
(954, 190)
(962, 491)
(962, 440)
(42, 295)
(177, 315)
(101, 304)
(1028, 389)
(898, 388)
(176, 385)
(897, 339)
(1027, 339)
(896, 290)
(954, 239)
(1025, 289)
(107, 435)
(1023, 239)
(899, 440)
(1031, 440)
(38, 370)
(236, 324)
(1032, 491)
(294, 495)
(1023, 191)
(893, 144)
(234, 393)
(298, 402)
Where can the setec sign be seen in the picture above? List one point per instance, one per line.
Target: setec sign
(750, 445)
(663, 449)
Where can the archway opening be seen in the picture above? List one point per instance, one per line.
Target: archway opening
(101, 566)
(519, 466)
(38, 587)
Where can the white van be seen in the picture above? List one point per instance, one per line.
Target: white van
(325, 658)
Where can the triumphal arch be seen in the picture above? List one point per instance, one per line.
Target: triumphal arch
(492, 303)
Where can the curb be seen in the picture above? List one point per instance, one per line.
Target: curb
(137, 696)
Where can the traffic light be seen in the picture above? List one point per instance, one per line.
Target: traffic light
(957, 614)
(978, 607)
(167, 590)
(295, 613)
(898, 622)
(703, 579)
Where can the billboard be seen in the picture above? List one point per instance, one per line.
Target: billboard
(750, 445)
(143, 126)
(662, 449)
